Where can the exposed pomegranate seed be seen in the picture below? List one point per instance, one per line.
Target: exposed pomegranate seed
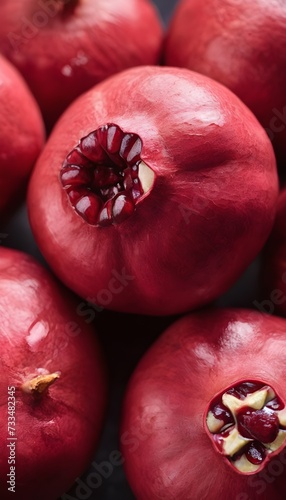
(105, 176)
(131, 147)
(90, 147)
(105, 217)
(128, 181)
(114, 139)
(75, 176)
(89, 208)
(77, 158)
(134, 171)
(75, 194)
(255, 453)
(109, 193)
(261, 425)
(222, 413)
(122, 209)
(275, 404)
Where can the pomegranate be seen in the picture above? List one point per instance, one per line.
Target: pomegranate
(21, 135)
(52, 383)
(205, 411)
(242, 45)
(64, 47)
(157, 202)
(274, 264)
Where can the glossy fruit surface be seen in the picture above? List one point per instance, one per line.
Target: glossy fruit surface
(242, 45)
(52, 388)
(154, 192)
(205, 415)
(64, 47)
(21, 135)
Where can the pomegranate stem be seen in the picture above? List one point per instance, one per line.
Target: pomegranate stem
(40, 384)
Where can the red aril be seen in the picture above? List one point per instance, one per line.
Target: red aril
(52, 385)
(242, 45)
(64, 47)
(205, 411)
(21, 135)
(155, 191)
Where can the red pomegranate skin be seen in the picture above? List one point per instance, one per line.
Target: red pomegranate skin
(242, 45)
(40, 332)
(64, 47)
(21, 135)
(274, 263)
(206, 216)
(168, 454)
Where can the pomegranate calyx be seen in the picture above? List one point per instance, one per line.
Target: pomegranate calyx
(40, 384)
(246, 424)
(105, 177)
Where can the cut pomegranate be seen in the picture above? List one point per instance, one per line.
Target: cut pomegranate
(107, 168)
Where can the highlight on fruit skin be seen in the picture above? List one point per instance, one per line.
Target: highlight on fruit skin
(205, 203)
(204, 414)
(52, 387)
(65, 47)
(21, 137)
(241, 45)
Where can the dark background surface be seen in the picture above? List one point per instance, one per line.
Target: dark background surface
(125, 339)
